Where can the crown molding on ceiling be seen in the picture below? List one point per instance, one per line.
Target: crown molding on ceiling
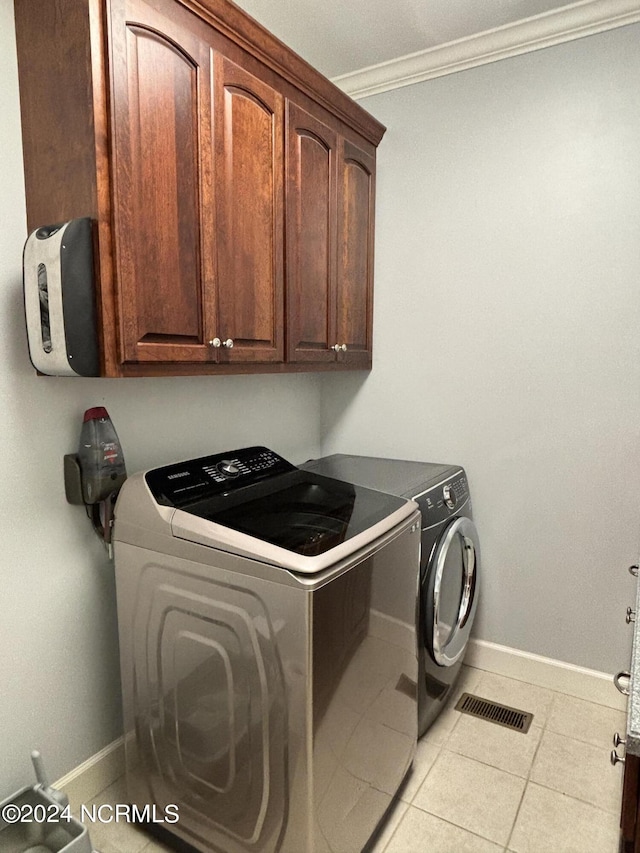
(571, 22)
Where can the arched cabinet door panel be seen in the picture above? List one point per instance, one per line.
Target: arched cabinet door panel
(162, 153)
(249, 178)
(311, 237)
(356, 195)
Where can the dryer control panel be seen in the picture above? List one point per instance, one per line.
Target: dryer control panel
(445, 499)
(197, 479)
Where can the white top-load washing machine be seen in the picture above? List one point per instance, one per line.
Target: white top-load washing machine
(268, 647)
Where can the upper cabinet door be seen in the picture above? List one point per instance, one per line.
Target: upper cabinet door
(249, 178)
(356, 196)
(311, 237)
(162, 152)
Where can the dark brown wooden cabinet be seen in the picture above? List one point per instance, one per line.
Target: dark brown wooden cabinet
(330, 217)
(197, 143)
(629, 823)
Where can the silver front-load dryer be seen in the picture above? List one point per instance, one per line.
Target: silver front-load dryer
(268, 652)
(449, 565)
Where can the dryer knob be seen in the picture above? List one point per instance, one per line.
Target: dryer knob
(449, 497)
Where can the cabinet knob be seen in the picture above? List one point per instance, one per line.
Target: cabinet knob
(633, 570)
(615, 758)
(216, 342)
(616, 680)
(336, 347)
(618, 741)
(228, 343)
(631, 616)
(343, 347)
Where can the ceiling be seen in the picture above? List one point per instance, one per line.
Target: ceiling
(342, 36)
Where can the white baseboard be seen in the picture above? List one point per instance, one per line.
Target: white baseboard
(588, 684)
(87, 780)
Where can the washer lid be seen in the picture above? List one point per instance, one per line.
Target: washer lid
(204, 532)
(254, 503)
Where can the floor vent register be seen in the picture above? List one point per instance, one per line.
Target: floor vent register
(502, 715)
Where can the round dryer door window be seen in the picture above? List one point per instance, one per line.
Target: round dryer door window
(452, 591)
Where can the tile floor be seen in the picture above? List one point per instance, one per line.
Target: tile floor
(480, 788)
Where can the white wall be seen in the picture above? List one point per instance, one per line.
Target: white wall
(58, 636)
(507, 329)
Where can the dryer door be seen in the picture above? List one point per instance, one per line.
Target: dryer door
(451, 591)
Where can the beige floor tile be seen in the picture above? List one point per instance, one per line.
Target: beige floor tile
(586, 721)
(115, 793)
(105, 846)
(517, 694)
(578, 769)
(549, 821)
(474, 796)
(468, 680)
(419, 831)
(495, 745)
(426, 755)
(117, 837)
(385, 833)
(110, 835)
(440, 730)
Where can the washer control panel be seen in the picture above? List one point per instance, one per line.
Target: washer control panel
(199, 479)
